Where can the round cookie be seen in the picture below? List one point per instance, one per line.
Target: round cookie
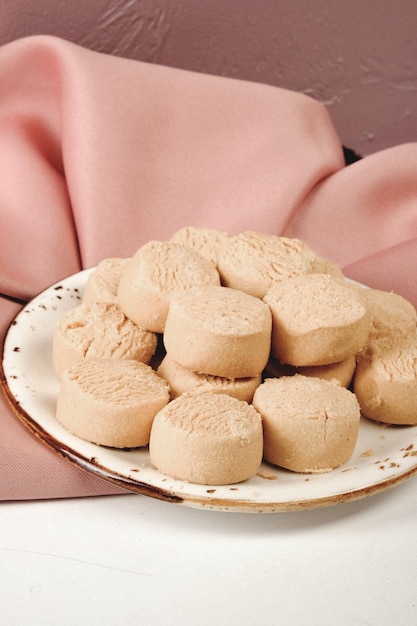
(251, 262)
(218, 331)
(182, 380)
(99, 330)
(385, 381)
(207, 438)
(205, 241)
(103, 282)
(324, 266)
(111, 402)
(154, 274)
(310, 425)
(339, 373)
(391, 314)
(317, 319)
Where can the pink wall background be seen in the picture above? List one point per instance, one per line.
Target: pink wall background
(358, 57)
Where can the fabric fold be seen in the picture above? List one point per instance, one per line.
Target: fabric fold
(107, 153)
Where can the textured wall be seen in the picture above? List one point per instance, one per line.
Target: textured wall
(358, 57)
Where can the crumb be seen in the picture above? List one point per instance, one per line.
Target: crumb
(267, 475)
(367, 453)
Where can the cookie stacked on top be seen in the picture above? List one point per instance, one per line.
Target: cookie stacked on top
(249, 348)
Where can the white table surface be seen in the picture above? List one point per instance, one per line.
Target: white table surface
(135, 560)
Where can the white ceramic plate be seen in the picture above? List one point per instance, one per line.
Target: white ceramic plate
(383, 457)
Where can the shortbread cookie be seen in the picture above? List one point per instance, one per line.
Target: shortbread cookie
(385, 381)
(218, 331)
(317, 319)
(339, 373)
(206, 241)
(207, 438)
(310, 425)
(99, 330)
(324, 266)
(154, 274)
(111, 402)
(103, 282)
(252, 262)
(182, 380)
(391, 314)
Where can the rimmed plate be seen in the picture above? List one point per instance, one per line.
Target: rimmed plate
(383, 457)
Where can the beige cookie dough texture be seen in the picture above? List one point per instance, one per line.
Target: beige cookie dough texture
(391, 314)
(99, 330)
(218, 331)
(205, 241)
(111, 402)
(155, 272)
(385, 380)
(339, 373)
(103, 282)
(317, 319)
(182, 380)
(207, 438)
(310, 425)
(252, 262)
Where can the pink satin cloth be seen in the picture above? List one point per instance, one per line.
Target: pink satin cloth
(100, 154)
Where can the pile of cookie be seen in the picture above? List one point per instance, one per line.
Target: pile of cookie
(221, 351)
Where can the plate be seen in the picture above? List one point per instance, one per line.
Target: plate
(384, 456)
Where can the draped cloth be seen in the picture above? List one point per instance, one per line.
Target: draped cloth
(100, 154)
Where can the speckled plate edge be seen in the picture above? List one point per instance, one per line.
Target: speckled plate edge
(384, 456)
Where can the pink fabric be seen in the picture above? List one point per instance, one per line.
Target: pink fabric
(364, 217)
(100, 154)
